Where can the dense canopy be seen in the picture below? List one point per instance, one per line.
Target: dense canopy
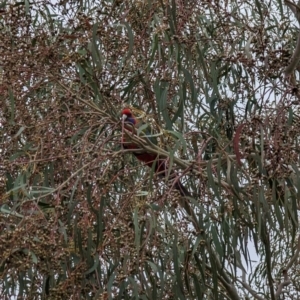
(81, 217)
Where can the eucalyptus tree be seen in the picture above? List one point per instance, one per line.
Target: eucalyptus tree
(217, 81)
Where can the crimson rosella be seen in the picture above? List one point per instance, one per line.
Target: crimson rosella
(148, 158)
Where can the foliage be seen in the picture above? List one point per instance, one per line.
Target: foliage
(80, 218)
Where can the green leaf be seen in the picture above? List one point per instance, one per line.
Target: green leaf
(196, 244)
(137, 230)
(153, 266)
(176, 261)
(217, 243)
(3, 4)
(135, 289)
(27, 6)
(189, 79)
(6, 210)
(211, 181)
(95, 44)
(22, 128)
(110, 285)
(197, 285)
(32, 254)
(95, 265)
(258, 5)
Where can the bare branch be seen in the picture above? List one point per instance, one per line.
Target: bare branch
(250, 290)
(287, 281)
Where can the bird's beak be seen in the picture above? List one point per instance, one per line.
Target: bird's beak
(124, 117)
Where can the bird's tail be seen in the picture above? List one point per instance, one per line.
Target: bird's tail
(162, 170)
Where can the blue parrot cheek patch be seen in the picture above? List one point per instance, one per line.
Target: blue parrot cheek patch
(131, 120)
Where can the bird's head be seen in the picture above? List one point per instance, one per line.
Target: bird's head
(127, 116)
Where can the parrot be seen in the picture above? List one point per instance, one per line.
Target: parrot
(150, 159)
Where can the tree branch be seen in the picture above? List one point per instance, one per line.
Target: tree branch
(286, 278)
(250, 290)
(296, 56)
